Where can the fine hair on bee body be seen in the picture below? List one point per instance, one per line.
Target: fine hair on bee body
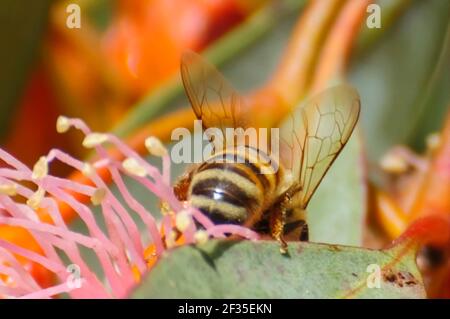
(248, 185)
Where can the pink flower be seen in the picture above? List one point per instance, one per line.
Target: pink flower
(122, 250)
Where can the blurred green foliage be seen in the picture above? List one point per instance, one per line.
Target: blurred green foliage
(403, 78)
(22, 26)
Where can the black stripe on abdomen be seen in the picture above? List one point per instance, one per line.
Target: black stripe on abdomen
(232, 161)
(225, 191)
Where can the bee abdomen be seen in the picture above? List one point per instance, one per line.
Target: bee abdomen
(225, 192)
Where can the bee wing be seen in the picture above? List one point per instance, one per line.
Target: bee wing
(212, 98)
(314, 134)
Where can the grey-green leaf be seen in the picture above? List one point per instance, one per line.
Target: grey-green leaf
(337, 210)
(243, 269)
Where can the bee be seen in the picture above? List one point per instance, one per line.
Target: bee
(259, 191)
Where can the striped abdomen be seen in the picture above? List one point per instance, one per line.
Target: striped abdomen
(230, 187)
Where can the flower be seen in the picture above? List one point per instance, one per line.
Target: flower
(124, 251)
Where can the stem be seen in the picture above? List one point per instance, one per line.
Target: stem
(293, 75)
(334, 55)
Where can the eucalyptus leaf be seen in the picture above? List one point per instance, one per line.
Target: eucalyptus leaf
(337, 211)
(239, 269)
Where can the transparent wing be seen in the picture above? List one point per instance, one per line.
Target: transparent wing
(314, 134)
(212, 98)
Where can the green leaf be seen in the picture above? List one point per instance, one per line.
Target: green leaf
(435, 100)
(241, 269)
(337, 210)
(22, 24)
(393, 78)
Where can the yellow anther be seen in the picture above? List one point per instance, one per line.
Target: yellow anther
(88, 170)
(40, 169)
(94, 139)
(393, 163)
(201, 237)
(98, 196)
(150, 256)
(182, 221)
(62, 124)
(136, 274)
(165, 208)
(171, 239)
(8, 189)
(433, 141)
(35, 200)
(133, 167)
(155, 147)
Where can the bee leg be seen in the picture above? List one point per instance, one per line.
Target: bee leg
(277, 222)
(304, 233)
(296, 230)
(181, 187)
(296, 226)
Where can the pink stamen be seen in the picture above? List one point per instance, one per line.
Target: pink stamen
(233, 229)
(48, 292)
(120, 250)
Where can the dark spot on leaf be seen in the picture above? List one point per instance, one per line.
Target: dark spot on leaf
(389, 276)
(400, 278)
(410, 280)
(354, 275)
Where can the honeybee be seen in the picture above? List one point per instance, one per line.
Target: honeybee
(259, 191)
